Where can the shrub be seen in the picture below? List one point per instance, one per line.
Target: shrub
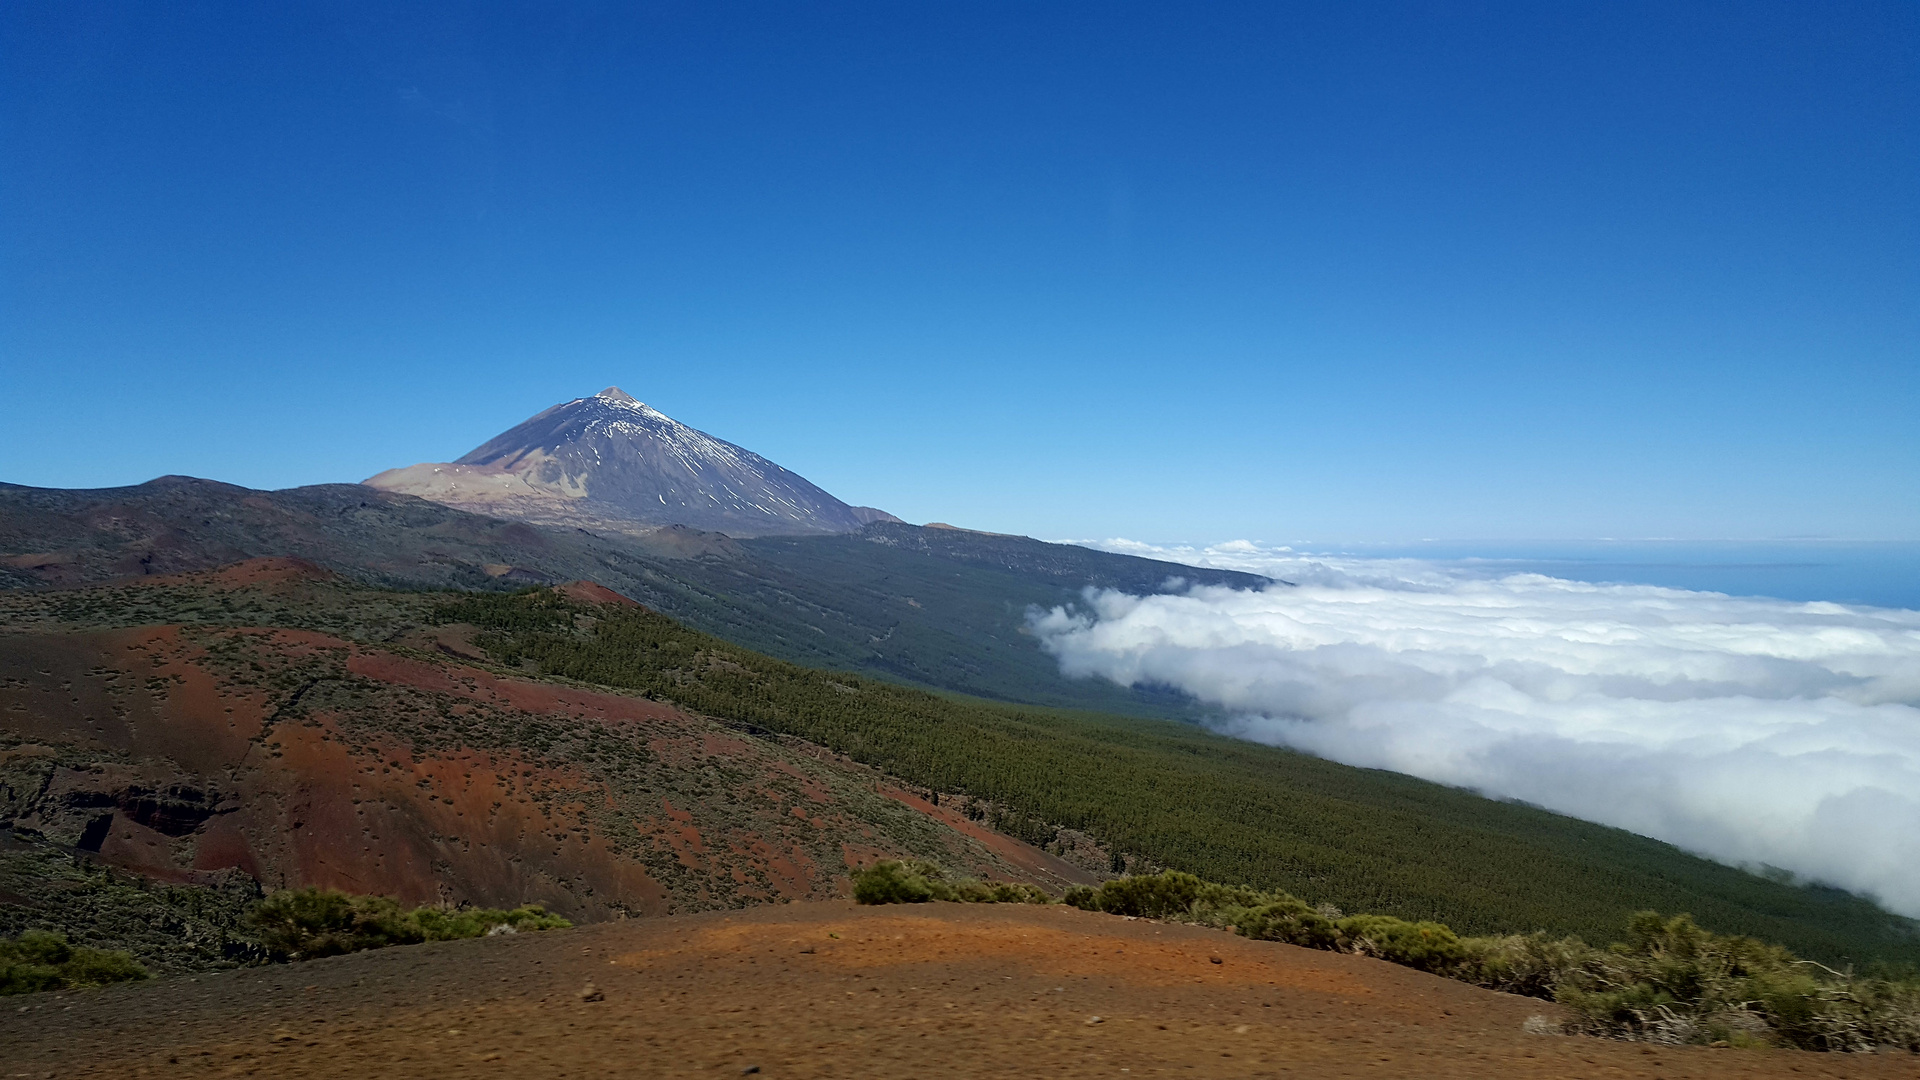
(37, 960)
(308, 923)
(1014, 892)
(1670, 981)
(1525, 964)
(1150, 896)
(891, 881)
(915, 881)
(1167, 895)
(304, 924)
(1428, 946)
(1291, 921)
(442, 924)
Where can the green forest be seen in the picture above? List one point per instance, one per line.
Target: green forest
(1177, 796)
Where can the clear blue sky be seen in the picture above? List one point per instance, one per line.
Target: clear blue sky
(1327, 271)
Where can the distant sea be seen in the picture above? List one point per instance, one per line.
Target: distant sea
(1882, 574)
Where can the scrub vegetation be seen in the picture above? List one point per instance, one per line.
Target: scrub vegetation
(304, 924)
(38, 960)
(295, 924)
(168, 928)
(1668, 981)
(896, 881)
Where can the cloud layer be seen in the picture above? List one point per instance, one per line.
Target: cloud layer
(1748, 730)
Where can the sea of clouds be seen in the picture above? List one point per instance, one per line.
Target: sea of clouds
(1749, 730)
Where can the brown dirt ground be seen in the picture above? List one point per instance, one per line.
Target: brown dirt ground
(832, 990)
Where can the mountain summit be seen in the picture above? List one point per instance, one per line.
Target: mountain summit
(612, 460)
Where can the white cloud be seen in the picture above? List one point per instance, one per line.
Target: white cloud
(1748, 730)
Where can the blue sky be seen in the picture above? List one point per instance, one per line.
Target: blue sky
(1330, 272)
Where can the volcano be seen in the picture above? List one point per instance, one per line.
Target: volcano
(612, 461)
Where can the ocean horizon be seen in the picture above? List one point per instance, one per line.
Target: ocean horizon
(1874, 573)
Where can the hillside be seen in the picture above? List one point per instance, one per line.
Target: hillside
(943, 608)
(831, 990)
(1104, 789)
(186, 731)
(1227, 810)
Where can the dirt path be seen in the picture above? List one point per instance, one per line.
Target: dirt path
(832, 990)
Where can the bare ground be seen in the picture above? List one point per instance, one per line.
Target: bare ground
(833, 990)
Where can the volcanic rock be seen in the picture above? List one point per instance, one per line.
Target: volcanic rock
(610, 461)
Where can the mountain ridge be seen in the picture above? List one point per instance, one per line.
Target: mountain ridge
(941, 608)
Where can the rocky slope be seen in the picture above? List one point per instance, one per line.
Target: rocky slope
(609, 460)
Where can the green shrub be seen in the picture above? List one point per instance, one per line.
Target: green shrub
(1014, 892)
(1168, 895)
(1150, 896)
(1428, 946)
(915, 881)
(1669, 981)
(441, 924)
(303, 924)
(1526, 964)
(1672, 981)
(1287, 919)
(890, 881)
(37, 960)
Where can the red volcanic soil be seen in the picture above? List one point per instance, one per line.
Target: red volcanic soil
(266, 570)
(588, 592)
(830, 990)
